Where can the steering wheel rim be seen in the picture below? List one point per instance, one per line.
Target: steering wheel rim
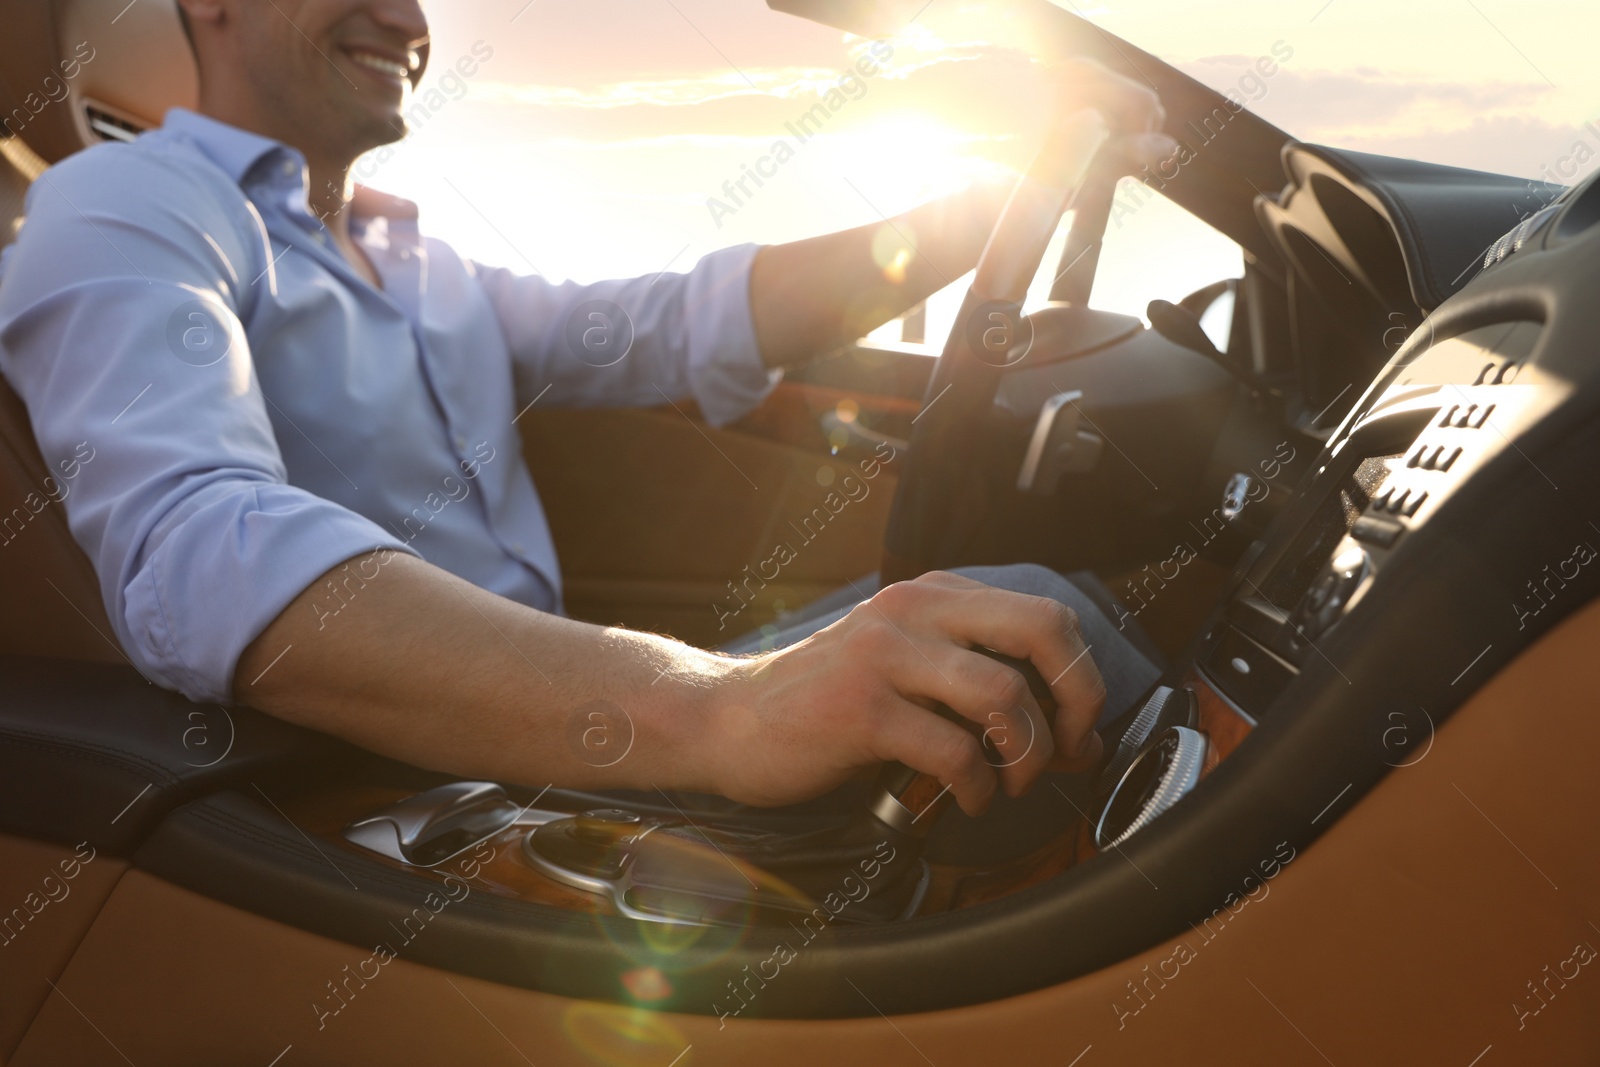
(939, 500)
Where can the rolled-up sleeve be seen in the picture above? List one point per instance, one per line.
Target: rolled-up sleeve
(120, 328)
(638, 341)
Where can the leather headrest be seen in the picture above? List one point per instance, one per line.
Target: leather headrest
(67, 63)
(142, 64)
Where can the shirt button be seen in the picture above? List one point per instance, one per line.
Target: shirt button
(289, 167)
(461, 442)
(516, 546)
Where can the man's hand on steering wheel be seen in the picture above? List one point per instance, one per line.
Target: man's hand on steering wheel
(1130, 110)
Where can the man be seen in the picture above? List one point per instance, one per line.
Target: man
(288, 390)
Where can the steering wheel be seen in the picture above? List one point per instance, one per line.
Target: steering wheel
(941, 495)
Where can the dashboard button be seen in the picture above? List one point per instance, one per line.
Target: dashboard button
(1476, 421)
(1247, 672)
(1449, 458)
(1413, 504)
(1376, 531)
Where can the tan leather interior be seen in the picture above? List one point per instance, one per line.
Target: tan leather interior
(142, 65)
(656, 520)
(1430, 924)
(41, 566)
(43, 915)
(139, 65)
(129, 61)
(1413, 931)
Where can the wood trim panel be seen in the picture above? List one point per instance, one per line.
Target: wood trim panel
(951, 887)
(1222, 724)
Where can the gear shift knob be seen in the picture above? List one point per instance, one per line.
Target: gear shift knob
(909, 802)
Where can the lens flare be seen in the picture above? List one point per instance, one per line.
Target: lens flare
(646, 984)
(892, 251)
(624, 1037)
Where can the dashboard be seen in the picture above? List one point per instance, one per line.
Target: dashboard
(1414, 405)
(1367, 247)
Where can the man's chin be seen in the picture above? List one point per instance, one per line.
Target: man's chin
(377, 130)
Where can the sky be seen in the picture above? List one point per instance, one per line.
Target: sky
(591, 135)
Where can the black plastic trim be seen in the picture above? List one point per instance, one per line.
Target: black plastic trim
(93, 752)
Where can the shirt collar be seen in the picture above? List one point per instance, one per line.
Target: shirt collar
(238, 152)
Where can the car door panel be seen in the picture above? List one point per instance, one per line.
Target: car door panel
(170, 976)
(664, 523)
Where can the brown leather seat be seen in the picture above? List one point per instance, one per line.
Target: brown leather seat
(72, 73)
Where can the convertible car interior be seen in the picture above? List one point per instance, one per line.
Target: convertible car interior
(1350, 494)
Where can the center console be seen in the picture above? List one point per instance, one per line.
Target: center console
(1431, 423)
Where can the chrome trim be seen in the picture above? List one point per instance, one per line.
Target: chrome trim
(1133, 739)
(616, 892)
(1180, 776)
(895, 815)
(919, 894)
(397, 830)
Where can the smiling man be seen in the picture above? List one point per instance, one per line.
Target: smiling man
(293, 393)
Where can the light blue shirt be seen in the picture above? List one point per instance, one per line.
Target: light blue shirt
(256, 412)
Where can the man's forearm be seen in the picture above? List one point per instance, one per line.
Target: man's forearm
(809, 297)
(425, 667)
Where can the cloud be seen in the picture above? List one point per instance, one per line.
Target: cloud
(959, 88)
(1314, 103)
(661, 92)
(784, 83)
(1484, 125)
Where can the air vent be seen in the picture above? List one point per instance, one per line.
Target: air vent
(109, 127)
(1512, 242)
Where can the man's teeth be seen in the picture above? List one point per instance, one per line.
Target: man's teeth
(382, 66)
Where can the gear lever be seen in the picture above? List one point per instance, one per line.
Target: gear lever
(904, 803)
